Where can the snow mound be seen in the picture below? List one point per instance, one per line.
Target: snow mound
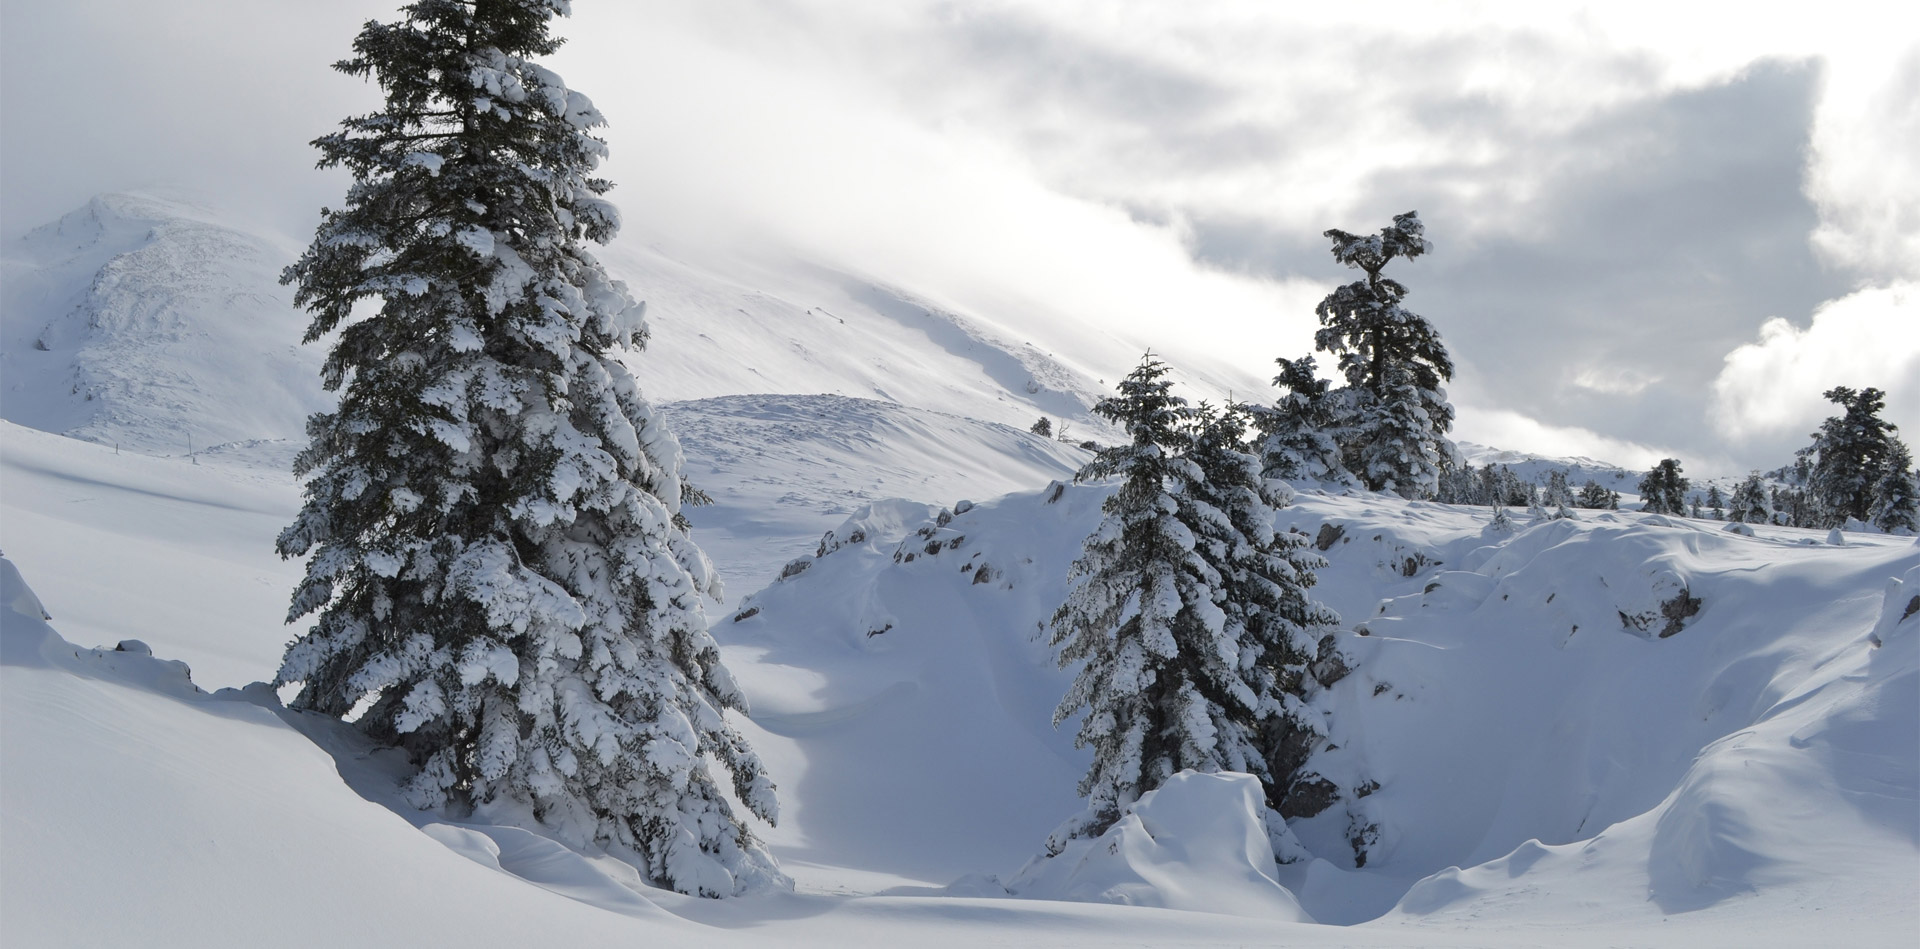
(1199, 842)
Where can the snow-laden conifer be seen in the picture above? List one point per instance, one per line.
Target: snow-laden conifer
(1557, 493)
(504, 584)
(1749, 503)
(1187, 613)
(1663, 490)
(1301, 431)
(1267, 615)
(1850, 455)
(1595, 497)
(1394, 364)
(1896, 498)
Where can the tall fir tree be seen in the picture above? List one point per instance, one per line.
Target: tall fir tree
(1662, 490)
(1187, 612)
(1849, 457)
(504, 584)
(1394, 364)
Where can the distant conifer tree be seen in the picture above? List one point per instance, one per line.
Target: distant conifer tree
(1594, 497)
(1663, 490)
(1395, 414)
(1749, 505)
(1849, 458)
(1897, 497)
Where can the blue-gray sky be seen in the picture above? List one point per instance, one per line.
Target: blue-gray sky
(1657, 228)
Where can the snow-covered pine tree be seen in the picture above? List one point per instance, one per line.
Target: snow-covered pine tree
(1393, 361)
(1458, 483)
(1716, 503)
(1043, 427)
(1749, 505)
(1301, 430)
(1896, 498)
(1849, 455)
(1187, 613)
(1261, 722)
(504, 585)
(1128, 589)
(1662, 490)
(1557, 493)
(1594, 497)
(1489, 490)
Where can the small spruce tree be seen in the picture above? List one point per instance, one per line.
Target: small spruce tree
(1043, 427)
(1594, 497)
(503, 583)
(1716, 503)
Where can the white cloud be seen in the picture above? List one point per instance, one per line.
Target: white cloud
(1869, 338)
(1865, 171)
(1614, 380)
(1505, 428)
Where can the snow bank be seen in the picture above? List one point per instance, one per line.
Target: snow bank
(1200, 842)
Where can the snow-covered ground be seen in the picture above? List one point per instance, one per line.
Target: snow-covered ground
(1550, 767)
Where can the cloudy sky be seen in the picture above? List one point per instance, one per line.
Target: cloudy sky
(1657, 230)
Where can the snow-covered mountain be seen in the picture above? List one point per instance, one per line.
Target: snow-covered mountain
(152, 324)
(1613, 729)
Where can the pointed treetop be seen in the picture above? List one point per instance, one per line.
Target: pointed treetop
(1405, 238)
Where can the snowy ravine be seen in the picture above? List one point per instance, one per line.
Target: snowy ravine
(1751, 777)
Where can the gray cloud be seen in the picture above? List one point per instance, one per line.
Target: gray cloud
(1609, 226)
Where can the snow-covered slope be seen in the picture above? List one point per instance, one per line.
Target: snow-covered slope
(782, 469)
(153, 322)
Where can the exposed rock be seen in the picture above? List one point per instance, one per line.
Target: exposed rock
(1328, 536)
(1677, 610)
(1309, 795)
